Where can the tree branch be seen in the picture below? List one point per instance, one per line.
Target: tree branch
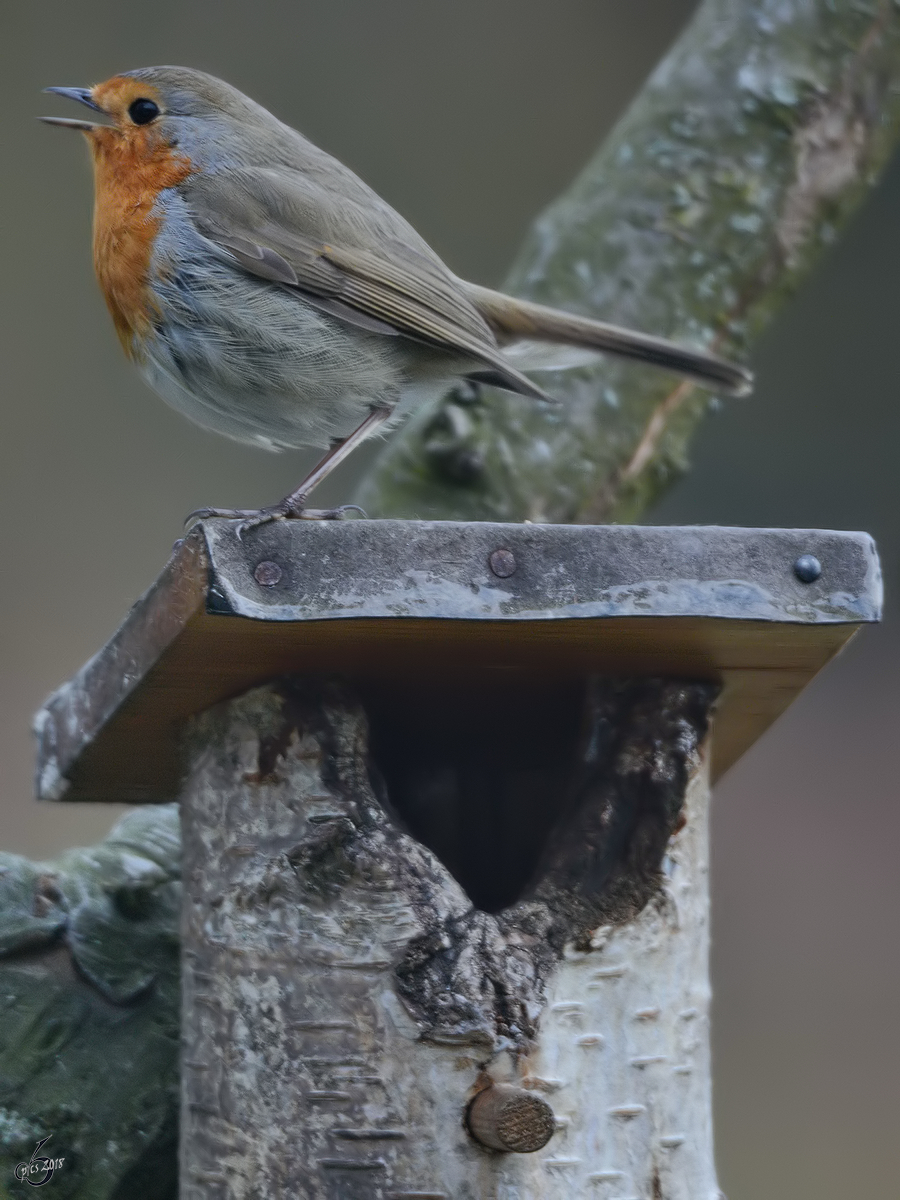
(749, 148)
(89, 1039)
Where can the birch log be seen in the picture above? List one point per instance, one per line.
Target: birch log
(344, 1000)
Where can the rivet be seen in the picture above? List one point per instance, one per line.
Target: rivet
(503, 1117)
(503, 563)
(267, 573)
(807, 568)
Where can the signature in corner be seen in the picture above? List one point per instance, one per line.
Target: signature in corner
(38, 1164)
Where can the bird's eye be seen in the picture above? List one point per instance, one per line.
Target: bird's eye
(143, 111)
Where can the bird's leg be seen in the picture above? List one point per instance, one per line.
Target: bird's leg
(293, 506)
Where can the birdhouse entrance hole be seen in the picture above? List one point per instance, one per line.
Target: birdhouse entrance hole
(479, 771)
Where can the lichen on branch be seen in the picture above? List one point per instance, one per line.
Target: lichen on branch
(736, 167)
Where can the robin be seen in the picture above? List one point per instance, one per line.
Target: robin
(266, 292)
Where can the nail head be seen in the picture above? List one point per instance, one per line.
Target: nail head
(807, 568)
(503, 563)
(267, 573)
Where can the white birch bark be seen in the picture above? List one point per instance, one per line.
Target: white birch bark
(343, 1001)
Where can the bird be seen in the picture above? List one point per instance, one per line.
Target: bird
(267, 293)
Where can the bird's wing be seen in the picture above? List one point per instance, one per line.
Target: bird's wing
(350, 259)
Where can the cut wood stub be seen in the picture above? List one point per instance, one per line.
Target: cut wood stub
(511, 1119)
(342, 994)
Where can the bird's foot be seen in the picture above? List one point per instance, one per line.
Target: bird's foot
(287, 510)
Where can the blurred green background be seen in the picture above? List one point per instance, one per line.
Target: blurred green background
(469, 117)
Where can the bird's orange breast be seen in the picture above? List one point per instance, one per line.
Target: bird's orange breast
(130, 171)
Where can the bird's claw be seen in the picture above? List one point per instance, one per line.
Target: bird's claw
(228, 514)
(252, 518)
(336, 514)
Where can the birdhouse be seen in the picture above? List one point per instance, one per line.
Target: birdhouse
(444, 794)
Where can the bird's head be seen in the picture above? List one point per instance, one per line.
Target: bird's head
(176, 108)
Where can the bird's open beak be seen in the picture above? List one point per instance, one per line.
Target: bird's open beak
(83, 96)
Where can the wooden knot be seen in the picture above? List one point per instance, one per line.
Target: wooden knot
(508, 1118)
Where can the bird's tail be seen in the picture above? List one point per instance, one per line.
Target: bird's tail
(518, 322)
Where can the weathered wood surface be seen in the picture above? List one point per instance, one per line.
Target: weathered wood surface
(419, 604)
(343, 997)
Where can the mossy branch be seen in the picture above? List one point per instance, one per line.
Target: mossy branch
(737, 166)
(89, 996)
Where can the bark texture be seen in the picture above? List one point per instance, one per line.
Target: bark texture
(89, 1037)
(737, 166)
(343, 999)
